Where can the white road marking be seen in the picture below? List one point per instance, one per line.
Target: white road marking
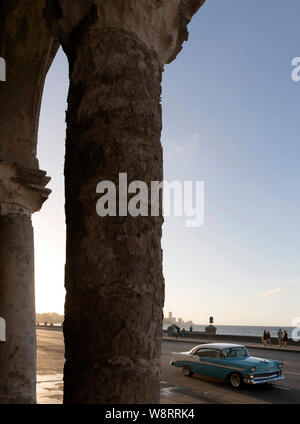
(289, 372)
(281, 387)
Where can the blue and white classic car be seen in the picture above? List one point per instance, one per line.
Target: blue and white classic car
(229, 362)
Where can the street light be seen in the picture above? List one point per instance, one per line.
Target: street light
(211, 321)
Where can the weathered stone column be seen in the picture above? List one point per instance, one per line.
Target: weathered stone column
(114, 277)
(22, 192)
(114, 281)
(28, 49)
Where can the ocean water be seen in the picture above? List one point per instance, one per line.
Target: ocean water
(240, 330)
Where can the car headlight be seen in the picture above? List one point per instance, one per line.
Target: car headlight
(253, 369)
(280, 365)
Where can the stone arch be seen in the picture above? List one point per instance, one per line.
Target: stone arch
(116, 52)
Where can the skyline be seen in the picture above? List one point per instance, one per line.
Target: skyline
(231, 119)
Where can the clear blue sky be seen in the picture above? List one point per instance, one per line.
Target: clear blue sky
(231, 117)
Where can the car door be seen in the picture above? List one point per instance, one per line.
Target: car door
(219, 365)
(207, 365)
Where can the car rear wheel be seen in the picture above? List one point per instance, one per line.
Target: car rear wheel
(235, 380)
(187, 371)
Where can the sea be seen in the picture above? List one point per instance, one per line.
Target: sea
(239, 330)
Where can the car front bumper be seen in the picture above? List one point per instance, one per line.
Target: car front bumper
(260, 380)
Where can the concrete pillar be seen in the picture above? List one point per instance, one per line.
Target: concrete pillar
(22, 192)
(114, 282)
(28, 49)
(17, 354)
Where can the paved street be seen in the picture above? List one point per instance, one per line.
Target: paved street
(175, 387)
(200, 390)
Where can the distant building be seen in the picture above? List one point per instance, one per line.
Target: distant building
(170, 319)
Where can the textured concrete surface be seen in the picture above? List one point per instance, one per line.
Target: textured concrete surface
(17, 354)
(114, 283)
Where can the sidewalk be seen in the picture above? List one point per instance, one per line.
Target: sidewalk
(295, 349)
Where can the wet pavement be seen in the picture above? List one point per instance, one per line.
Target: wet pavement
(50, 389)
(50, 363)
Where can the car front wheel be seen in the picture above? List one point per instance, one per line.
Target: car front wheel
(235, 380)
(187, 371)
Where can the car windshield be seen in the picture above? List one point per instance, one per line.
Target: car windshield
(235, 352)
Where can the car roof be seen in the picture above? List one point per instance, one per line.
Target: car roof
(218, 346)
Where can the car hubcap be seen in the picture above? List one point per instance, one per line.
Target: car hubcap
(235, 380)
(186, 371)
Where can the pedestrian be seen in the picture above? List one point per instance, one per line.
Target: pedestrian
(285, 338)
(191, 328)
(264, 338)
(280, 337)
(183, 332)
(269, 340)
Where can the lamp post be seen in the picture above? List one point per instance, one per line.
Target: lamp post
(211, 320)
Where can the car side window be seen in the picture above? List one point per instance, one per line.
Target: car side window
(208, 353)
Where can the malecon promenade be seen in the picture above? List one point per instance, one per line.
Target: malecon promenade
(175, 387)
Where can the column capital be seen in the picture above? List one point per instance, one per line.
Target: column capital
(160, 24)
(22, 190)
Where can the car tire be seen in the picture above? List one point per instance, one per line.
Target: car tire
(236, 380)
(187, 371)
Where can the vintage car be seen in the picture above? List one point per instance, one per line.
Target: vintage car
(229, 362)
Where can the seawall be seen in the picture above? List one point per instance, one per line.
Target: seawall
(229, 338)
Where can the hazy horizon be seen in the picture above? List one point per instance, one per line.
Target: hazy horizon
(200, 324)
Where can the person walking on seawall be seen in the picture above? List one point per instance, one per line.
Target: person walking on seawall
(265, 338)
(285, 338)
(269, 340)
(191, 328)
(280, 337)
(183, 332)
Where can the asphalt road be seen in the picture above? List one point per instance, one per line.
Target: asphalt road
(175, 387)
(208, 391)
